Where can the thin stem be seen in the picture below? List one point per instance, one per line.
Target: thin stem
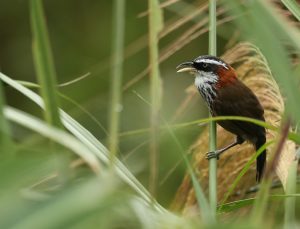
(46, 75)
(212, 126)
(116, 83)
(5, 140)
(155, 25)
(44, 64)
(290, 203)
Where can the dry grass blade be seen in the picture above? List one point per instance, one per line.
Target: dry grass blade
(170, 26)
(280, 146)
(191, 34)
(162, 5)
(254, 72)
(175, 25)
(260, 205)
(74, 80)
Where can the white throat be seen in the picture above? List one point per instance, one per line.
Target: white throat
(205, 82)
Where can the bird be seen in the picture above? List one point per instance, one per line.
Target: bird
(225, 95)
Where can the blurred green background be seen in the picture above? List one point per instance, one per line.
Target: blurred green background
(81, 40)
(81, 34)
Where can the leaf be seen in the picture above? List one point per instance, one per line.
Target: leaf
(5, 140)
(55, 134)
(116, 76)
(293, 7)
(155, 25)
(43, 60)
(235, 205)
(95, 146)
(157, 14)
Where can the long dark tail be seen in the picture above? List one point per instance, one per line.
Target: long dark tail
(261, 159)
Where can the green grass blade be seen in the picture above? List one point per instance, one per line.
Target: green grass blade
(43, 61)
(290, 203)
(212, 125)
(54, 134)
(73, 206)
(243, 172)
(5, 140)
(204, 207)
(94, 145)
(260, 206)
(117, 68)
(235, 205)
(63, 96)
(293, 7)
(208, 216)
(292, 136)
(155, 25)
(261, 202)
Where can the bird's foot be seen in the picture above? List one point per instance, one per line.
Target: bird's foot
(212, 154)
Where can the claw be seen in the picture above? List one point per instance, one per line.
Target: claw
(212, 154)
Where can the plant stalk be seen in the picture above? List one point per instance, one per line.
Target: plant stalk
(116, 82)
(155, 25)
(212, 126)
(44, 64)
(290, 203)
(5, 140)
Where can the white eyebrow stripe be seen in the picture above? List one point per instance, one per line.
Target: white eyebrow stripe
(209, 61)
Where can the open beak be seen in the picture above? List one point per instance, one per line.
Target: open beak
(186, 67)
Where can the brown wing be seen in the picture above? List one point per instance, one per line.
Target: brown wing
(238, 100)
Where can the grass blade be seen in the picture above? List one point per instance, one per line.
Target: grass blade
(260, 205)
(95, 146)
(243, 172)
(235, 205)
(43, 61)
(116, 83)
(203, 204)
(212, 125)
(290, 203)
(5, 141)
(293, 6)
(67, 210)
(292, 136)
(155, 25)
(54, 134)
(208, 215)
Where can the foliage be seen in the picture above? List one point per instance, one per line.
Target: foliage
(72, 186)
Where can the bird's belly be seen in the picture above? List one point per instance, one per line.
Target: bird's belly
(246, 131)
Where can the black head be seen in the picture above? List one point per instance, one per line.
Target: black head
(205, 63)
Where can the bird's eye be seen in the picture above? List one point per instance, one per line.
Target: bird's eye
(204, 65)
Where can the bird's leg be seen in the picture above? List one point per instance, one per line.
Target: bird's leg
(217, 153)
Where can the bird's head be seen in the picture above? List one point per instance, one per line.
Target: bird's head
(209, 71)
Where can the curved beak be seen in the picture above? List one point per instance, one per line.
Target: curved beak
(186, 67)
